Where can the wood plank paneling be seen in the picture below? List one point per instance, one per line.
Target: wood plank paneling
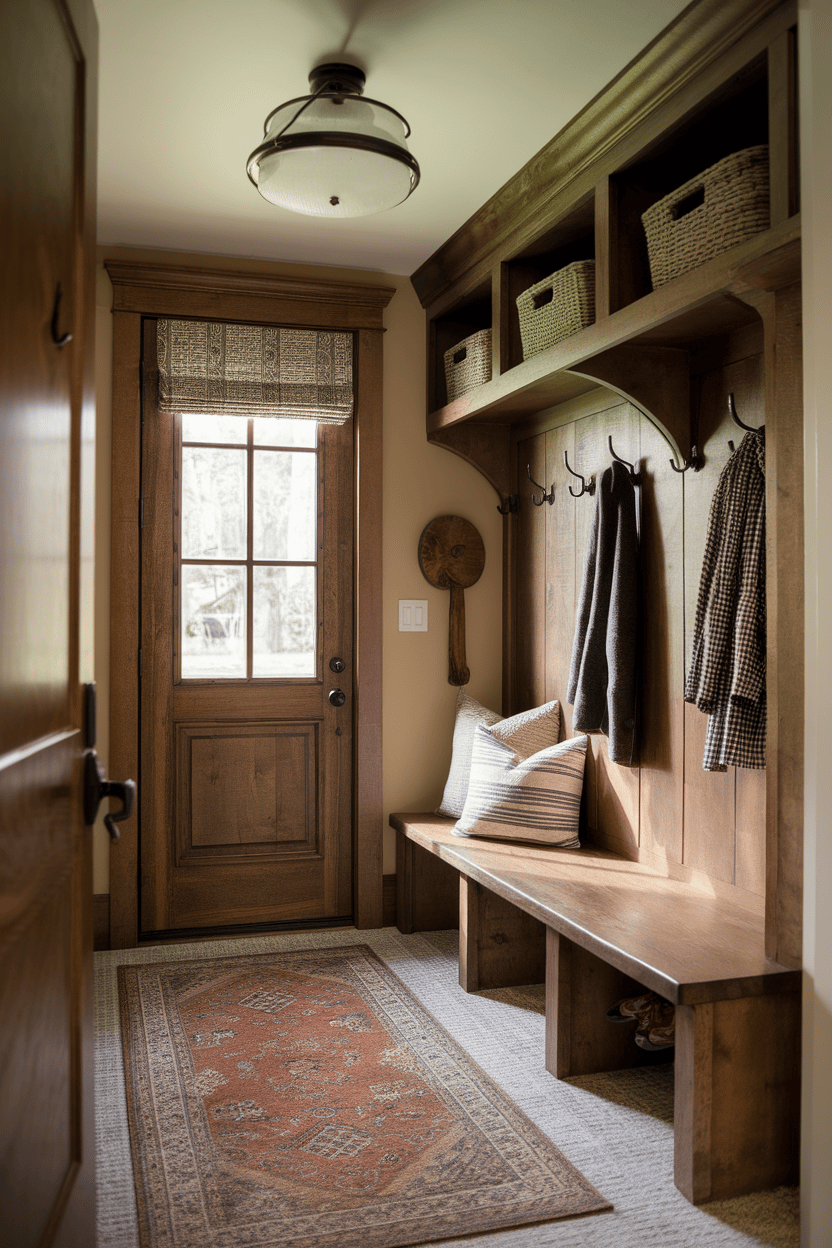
(559, 587)
(750, 815)
(530, 600)
(664, 810)
(662, 663)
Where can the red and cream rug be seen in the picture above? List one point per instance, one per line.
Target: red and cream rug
(307, 1099)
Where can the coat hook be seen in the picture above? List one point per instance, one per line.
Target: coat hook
(733, 410)
(546, 498)
(694, 461)
(635, 477)
(511, 504)
(731, 446)
(587, 484)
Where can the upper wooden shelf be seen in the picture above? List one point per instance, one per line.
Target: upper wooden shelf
(716, 298)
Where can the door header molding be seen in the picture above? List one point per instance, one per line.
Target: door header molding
(173, 290)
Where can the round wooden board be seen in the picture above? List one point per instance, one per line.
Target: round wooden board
(451, 552)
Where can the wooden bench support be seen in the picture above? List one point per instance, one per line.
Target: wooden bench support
(602, 921)
(580, 988)
(427, 889)
(736, 1113)
(500, 946)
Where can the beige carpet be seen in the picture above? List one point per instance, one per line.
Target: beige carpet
(617, 1129)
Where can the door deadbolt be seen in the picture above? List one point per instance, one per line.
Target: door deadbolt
(337, 697)
(337, 665)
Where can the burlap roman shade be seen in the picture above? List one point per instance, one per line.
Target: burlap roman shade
(254, 370)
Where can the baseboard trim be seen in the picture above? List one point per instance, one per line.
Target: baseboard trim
(101, 912)
(389, 900)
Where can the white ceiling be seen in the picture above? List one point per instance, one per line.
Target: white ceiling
(186, 84)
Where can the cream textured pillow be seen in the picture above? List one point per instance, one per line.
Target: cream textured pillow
(530, 731)
(524, 799)
(469, 713)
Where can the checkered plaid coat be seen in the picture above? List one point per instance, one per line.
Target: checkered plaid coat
(727, 677)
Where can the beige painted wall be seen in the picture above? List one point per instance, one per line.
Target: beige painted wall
(420, 482)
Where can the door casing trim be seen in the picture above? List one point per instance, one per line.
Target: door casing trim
(141, 290)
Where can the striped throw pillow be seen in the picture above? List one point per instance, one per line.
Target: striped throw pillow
(524, 799)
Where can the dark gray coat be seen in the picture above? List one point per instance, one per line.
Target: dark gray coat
(602, 675)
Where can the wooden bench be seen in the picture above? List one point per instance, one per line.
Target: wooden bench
(599, 927)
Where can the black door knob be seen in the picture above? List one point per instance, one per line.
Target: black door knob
(337, 665)
(337, 697)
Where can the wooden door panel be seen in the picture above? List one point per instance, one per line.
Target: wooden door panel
(36, 1105)
(246, 789)
(218, 896)
(39, 111)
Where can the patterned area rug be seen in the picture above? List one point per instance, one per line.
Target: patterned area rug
(308, 1099)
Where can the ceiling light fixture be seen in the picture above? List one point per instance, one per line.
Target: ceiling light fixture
(332, 153)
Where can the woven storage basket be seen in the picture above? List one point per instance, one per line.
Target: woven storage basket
(709, 214)
(549, 318)
(468, 364)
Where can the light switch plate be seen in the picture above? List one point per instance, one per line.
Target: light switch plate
(413, 615)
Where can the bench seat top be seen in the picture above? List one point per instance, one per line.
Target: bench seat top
(674, 937)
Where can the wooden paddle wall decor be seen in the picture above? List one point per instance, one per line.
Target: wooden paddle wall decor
(452, 556)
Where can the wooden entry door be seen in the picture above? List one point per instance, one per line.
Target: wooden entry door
(47, 99)
(247, 663)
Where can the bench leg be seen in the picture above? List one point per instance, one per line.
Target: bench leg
(427, 889)
(580, 988)
(736, 1114)
(500, 946)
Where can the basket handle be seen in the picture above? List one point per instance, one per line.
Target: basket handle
(543, 297)
(689, 201)
(460, 355)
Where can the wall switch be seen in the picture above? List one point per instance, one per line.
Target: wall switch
(413, 615)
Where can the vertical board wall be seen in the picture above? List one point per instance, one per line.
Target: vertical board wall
(664, 809)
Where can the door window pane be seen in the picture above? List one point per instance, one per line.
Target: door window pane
(284, 622)
(199, 428)
(213, 621)
(272, 431)
(213, 503)
(285, 505)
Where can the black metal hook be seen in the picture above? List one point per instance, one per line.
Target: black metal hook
(587, 483)
(731, 446)
(732, 408)
(635, 476)
(694, 461)
(512, 503)
(546, 498)
(60, 340)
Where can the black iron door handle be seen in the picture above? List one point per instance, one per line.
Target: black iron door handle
(337, 697)
(59, 339)
(96, 786)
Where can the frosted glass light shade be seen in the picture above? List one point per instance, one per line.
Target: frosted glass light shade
(341, 156)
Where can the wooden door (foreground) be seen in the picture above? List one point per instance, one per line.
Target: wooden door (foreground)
(47, 99)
